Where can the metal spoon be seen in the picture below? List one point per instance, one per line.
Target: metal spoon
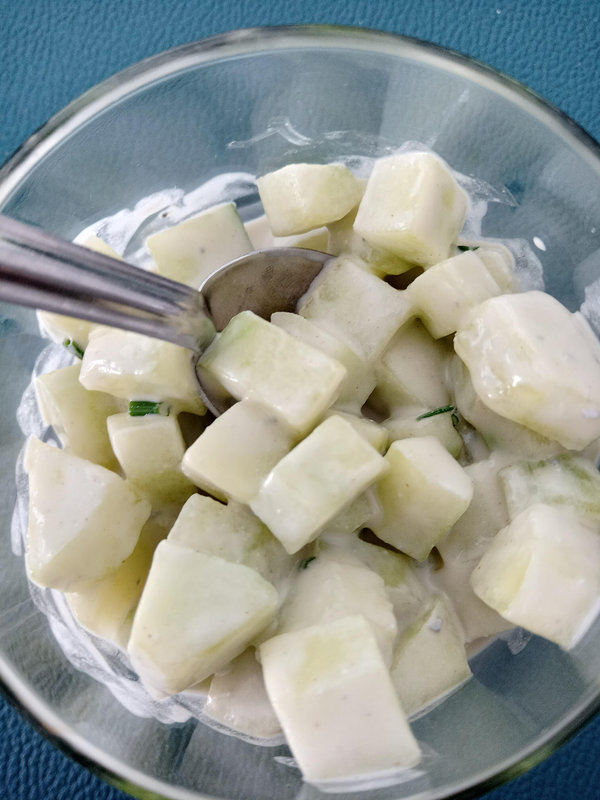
(42, 271)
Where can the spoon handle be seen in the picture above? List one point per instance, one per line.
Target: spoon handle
(41, 271)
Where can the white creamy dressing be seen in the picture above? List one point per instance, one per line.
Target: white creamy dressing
(126, 232)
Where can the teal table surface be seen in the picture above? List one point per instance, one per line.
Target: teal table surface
(53, 50)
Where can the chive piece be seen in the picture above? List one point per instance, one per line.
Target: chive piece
(464, 247)
(140, 408)
(304, 564)
(455, 420)
(435, 412)
(73, 347)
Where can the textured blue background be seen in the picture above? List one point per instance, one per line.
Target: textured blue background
(52, 50)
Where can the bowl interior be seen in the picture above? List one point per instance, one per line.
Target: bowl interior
(249, 103)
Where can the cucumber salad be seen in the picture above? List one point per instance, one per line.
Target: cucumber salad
(407, 470)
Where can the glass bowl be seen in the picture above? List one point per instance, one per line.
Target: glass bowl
(250, 101)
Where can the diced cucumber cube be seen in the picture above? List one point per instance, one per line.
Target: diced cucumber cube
(412, 371)
(358, 513)
(422, 495)
(237, 698)
(150, 450)
(231, 532)
(543, 572)
(325, 589)
(78, 416)
(374, 433)
(565, 480)
(300, 197)
(355, 306)
(235, 454)
(106, 607)
(498, 433)
(413, 207)
(336, 702)
(411, 421)
(259, 232)
(84, 520)
(315, 481)
(344, 239)
(360, 376)
(262, 238)
(445, 293)
(197, 612)
(430, 660)
(406, 592)
(135, 367)
(254, 360)
(500, 263)
(192, 250)
(535, 363)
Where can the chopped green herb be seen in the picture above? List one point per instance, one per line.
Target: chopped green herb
(140, 408)
(464, 247)
(304, 564)
(73, 347)
(436, 411)
(455, 420)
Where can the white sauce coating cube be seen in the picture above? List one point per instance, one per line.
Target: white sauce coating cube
(325, 589)
(422, 495)
(445, 293)
(336, 702)
(149, 450)
(135, 367)
(196, 613)
(314, 482)
(299, 197)
(535, 363)
(233, 456)
(84, 520)
(78, 416)
(192, 250)
(543, 572)
(254, 360)
(413, 207)
(355, 306)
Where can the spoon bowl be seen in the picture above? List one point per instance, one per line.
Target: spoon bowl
(45, 272)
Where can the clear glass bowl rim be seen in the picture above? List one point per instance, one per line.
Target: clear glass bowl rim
(234, 43)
